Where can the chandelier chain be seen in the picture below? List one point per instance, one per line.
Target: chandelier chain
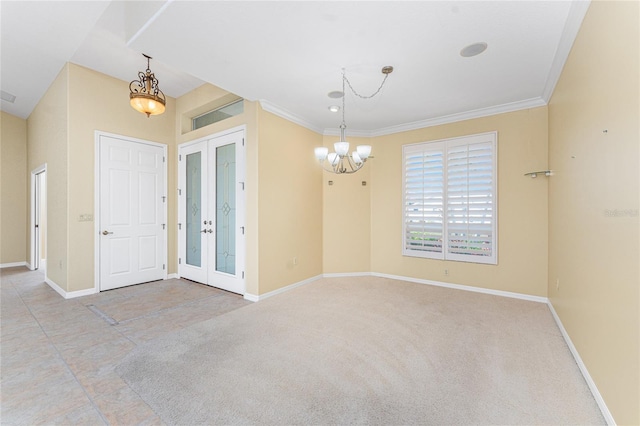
(344, 78)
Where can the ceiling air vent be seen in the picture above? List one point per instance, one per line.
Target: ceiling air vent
(7, 96)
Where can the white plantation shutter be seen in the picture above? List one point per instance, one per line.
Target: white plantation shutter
(453, 179)
(470, 200)
(423, 200)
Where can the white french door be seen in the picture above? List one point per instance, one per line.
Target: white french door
(211, 211)
(131, 224)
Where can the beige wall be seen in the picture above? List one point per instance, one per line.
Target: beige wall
(347, 215)
(593, 251)
(14, 188)
(522, 206)
(47, 137)
(289, 203)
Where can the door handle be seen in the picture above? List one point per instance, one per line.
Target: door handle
(203, 231)
(106, 232)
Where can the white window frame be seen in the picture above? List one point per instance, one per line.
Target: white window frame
(433, 218)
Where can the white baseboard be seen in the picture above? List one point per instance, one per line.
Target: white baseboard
(172, 276)
(56, 287)
(257, 298)
(583, 369)
(348, 274)
(502, 293)
(251, 297)
(80, 293)
(69, 294)
(12, 264)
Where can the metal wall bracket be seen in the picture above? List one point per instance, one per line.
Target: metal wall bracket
(542, 172)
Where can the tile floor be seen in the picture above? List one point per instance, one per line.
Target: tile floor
(57, 357)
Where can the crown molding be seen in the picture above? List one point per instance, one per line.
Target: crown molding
(446, 119)
(468, 115)
(577, 12)
(287, 115)
(350, 133)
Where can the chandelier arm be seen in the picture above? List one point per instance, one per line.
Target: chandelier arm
(331, 169)
(352, 165)
(348, 172)
(340, 169)
(156, 87)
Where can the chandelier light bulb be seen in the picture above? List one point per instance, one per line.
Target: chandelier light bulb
(333, 159)
(342, 148)
(321, 153)
(356, 158)
(364, 151)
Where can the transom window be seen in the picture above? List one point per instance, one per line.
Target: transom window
(218, 114)
(450, 199)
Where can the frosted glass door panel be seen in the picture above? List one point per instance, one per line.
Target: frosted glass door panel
(226, 209)
(194, 209)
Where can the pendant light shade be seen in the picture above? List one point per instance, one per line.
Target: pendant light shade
(147, 105)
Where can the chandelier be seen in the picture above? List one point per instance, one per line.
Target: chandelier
(145, 95)
(340, 161)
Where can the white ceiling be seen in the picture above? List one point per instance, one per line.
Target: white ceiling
(289, 54)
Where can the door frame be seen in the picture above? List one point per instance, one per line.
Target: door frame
(239, 167)
(33, 235)
(96, 199)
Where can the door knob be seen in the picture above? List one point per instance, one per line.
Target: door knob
(106, 232)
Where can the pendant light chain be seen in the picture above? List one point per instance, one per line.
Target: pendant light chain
(344, 78)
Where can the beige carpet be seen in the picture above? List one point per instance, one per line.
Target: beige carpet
(366, 351)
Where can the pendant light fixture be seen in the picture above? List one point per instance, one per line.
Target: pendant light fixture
(145, 95)
(340, 161)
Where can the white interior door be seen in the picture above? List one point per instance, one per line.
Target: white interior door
(42, 220)
(132, 227)
(211, 213)
(38, 218)
(37, 200)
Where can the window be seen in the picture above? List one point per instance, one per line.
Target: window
(218, 114)
(450, 199)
